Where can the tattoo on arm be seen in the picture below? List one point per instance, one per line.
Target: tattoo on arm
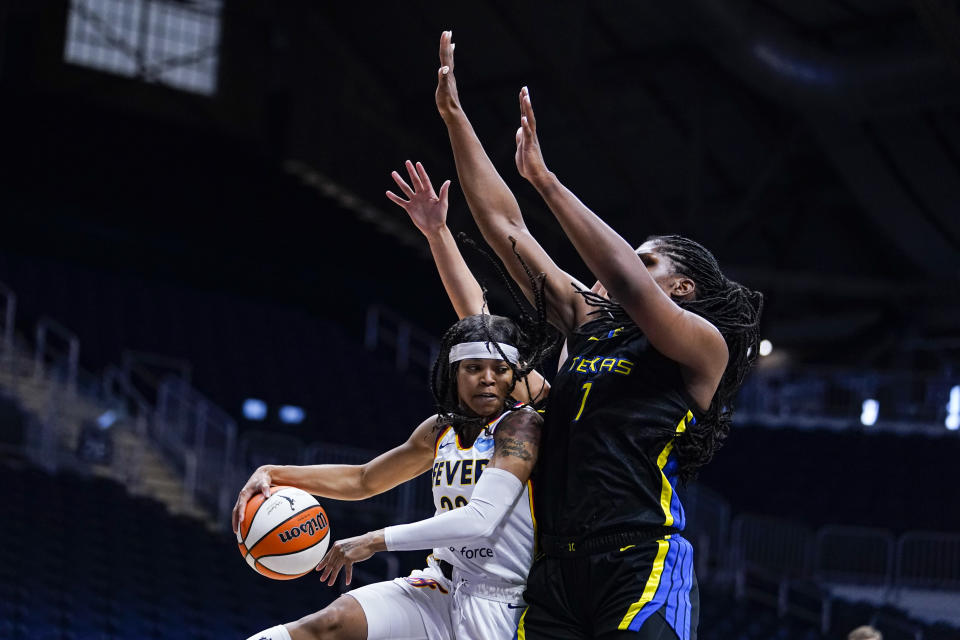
(513, 447)
(518, 435)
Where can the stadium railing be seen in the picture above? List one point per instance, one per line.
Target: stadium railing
(787, 596)
(708, 527)
(856, 555)
(201, 438)
(414, 349)
(50, 359)
(928, 560)
(780, 547)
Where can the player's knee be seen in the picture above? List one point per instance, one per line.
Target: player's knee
(322, 625)
(331, 623)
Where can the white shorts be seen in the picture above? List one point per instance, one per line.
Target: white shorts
(427, 606)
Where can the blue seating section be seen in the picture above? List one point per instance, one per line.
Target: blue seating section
(81, 559)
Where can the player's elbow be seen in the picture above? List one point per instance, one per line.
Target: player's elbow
(491, 524)
(503, 230)
(482, 522)
(358, 484)
(489, 531)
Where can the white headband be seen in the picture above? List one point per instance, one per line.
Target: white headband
(483, 350)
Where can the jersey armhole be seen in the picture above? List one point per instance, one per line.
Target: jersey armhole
(697, 412)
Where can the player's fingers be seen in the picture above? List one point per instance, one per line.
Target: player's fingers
(265, 488)
(333, 575)
(424, 178)
(239, 509)
(323, 561)
(446, 50)
(444, 192)
(528, 108)
(348, 572)
(407, 191)
(528, 132)
(414, 178)
(397, 199)
(328, 563)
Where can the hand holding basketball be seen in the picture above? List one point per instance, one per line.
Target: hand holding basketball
(344, 553)
(259, 482)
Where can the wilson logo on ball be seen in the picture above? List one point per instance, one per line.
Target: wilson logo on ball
(309, 527)
(283, 536)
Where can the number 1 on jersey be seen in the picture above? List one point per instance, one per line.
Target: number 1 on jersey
(586, 391)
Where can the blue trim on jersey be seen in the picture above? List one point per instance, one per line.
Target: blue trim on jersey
(673, 592)
(670, 470)
(678, 608)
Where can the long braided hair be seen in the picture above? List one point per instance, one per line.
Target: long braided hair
(532, 335)
(733, 309)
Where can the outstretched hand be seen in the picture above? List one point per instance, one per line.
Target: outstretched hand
(528, 157)
(427, 209)
(448, 101)
(344, 553)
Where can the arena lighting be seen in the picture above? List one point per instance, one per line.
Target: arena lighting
(868, 414)
(254, 409)
(766, 347)
(291, 414)
(953, 409)
(106, 420)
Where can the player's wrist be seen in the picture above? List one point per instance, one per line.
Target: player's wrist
(438, 235)
(267, 469)
(543, 180)
(376, 541)
(453, 116)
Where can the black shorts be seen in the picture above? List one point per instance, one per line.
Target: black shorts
(646, 591)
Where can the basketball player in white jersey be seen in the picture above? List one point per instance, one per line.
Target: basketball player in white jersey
(481, 454)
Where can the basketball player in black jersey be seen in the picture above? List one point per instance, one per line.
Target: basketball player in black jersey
(656, 352)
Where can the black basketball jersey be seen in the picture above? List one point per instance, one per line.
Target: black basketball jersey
(606, 461)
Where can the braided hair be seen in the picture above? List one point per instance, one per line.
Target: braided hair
(532, 335)
(733, 309)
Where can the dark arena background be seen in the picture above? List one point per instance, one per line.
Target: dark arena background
(200, 274)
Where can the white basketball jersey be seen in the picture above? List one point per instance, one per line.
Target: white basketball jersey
(507, 555)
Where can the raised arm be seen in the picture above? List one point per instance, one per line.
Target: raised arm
(494, 207)
(347, 481)
(682, 336)
(428, 211)
(517, 441)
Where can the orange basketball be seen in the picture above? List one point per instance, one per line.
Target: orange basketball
(284, 536)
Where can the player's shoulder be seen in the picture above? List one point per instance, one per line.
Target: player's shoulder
(428, 432)
(519, 419)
